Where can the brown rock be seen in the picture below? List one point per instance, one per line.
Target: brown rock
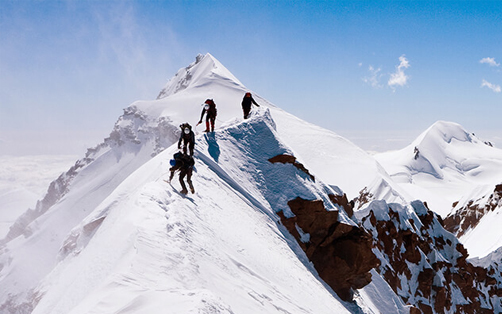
(344, 202)
(341, 254)
(288, 159)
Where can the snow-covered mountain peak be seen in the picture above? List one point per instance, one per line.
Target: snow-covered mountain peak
(444, 132)
(446, 147)
(448, 158)
(204, 68)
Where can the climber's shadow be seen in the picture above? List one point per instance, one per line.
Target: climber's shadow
(213, 147)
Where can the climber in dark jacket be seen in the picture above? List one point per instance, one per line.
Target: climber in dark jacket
(187, 137)
(184, 163)
(247, 101)
(210, 111)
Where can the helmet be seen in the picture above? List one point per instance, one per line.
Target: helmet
(208, 101)
(248, 94)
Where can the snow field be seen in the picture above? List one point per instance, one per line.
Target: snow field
(187, 247)
(450, 164)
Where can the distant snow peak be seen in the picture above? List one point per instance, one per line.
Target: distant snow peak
(447, 131)
(181, 79)
(205, 67)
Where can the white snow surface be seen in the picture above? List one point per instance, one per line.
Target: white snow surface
(218, 250)
(486, 236)
(119, 239)
(450, 163)
(336, 160)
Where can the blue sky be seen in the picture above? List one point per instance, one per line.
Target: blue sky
(377, 72)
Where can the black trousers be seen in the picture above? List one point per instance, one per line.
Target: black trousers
(246, 111)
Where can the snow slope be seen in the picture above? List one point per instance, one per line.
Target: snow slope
(218, 250)
(337, 161)
(111, 236)
(443, 164)
(476, 219)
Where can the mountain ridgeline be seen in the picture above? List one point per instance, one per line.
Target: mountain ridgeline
(287, 217)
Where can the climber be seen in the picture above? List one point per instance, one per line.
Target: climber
(247, 101)
(184, 163)
(187, 137)
(210, 110)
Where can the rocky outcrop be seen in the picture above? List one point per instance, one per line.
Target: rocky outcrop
(341, 253)
(468, 216)
(342, 201)
(288, 159)
(426, 265)
(364, 198)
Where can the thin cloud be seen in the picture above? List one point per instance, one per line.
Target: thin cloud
(493, 87)
(124, 42)
(490, 62)
(374, 78)
(399, 78)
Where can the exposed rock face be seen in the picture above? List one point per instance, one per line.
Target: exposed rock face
(426, 265)
(343, 202)
(341, 253)
(288, 159)
(363, 198)
(469, 216)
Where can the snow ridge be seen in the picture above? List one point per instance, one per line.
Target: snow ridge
(197, 73)
(181, 252)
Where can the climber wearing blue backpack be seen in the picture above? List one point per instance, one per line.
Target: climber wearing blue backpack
(185, 164)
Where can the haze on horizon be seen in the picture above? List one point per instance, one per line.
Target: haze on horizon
(378, 73)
